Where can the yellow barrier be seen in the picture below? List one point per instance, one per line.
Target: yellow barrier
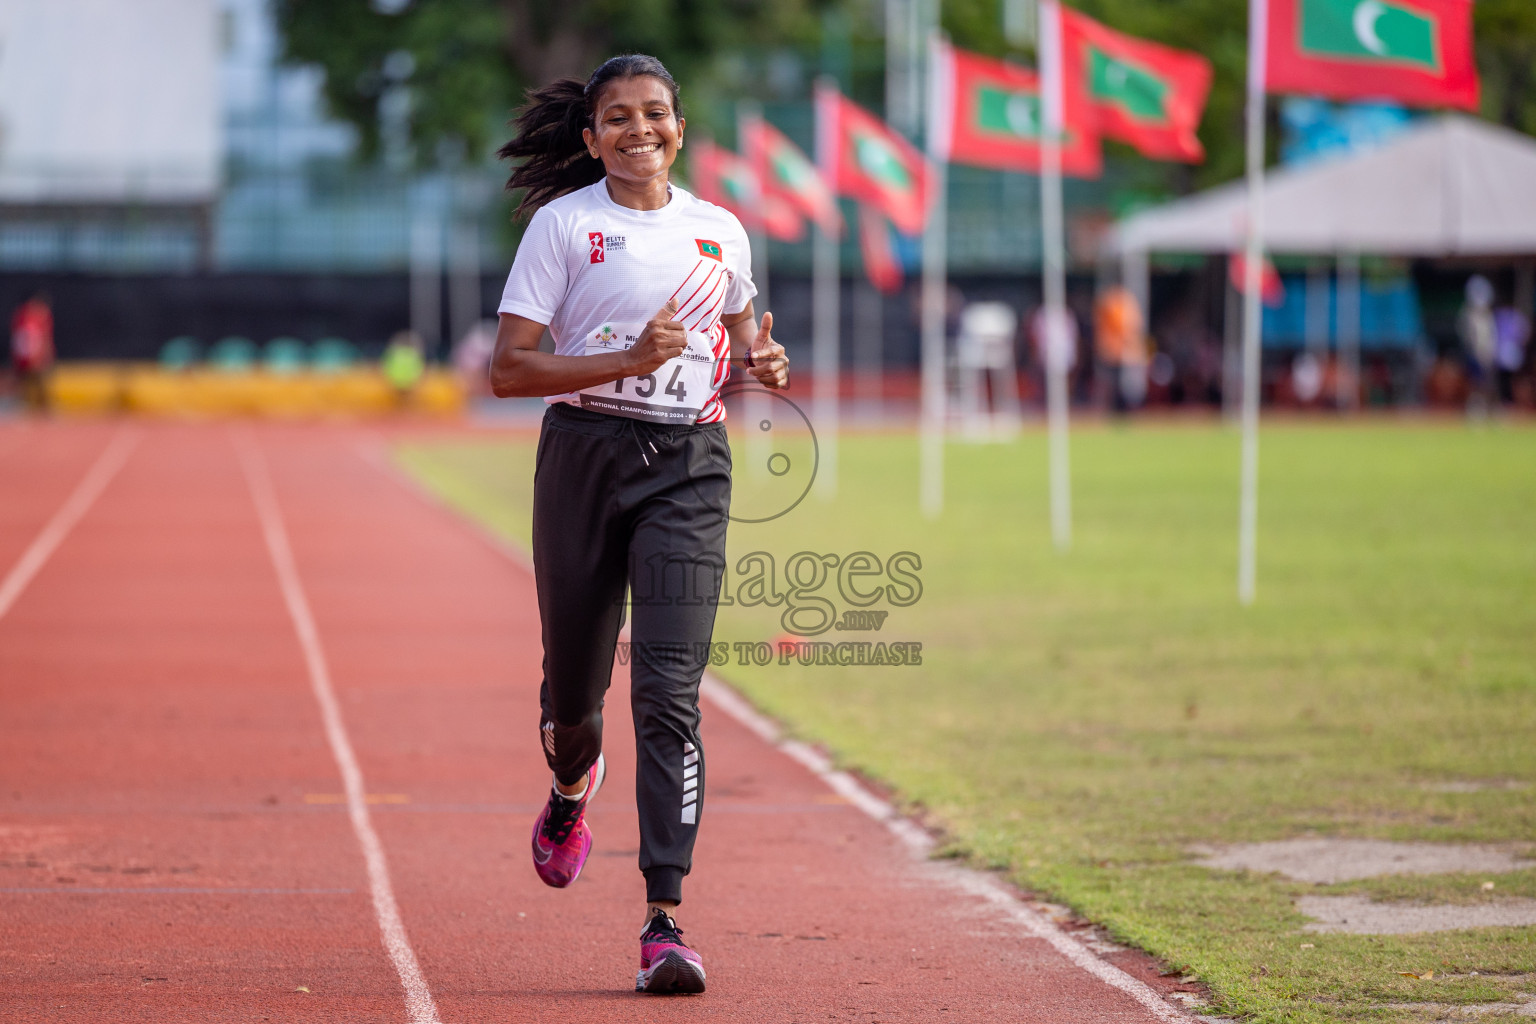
(149, 390)
(86, 388)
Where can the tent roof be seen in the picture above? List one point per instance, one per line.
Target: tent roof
(1452, 186)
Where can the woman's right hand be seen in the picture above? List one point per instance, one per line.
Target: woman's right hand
(662, 339)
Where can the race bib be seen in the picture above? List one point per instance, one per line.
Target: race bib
(674, 392)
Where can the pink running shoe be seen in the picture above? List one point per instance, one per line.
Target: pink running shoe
(667, 967)
(561, 838)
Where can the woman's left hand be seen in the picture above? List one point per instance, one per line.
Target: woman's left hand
(766, 359)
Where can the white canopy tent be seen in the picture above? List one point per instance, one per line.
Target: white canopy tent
(1453, 186)
(1450, 186)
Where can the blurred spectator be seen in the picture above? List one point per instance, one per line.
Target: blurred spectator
(32, 350)
(1307, 373)
(1121, 339)
(1475, 328)
(472, 357)
(1512, 331)
(1063, 344)
(403, 364)
(984, 351)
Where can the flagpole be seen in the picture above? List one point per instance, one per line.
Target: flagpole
(1248, 504)
(825, 314)
(1055, 336)
(754, 404)
(935, 240)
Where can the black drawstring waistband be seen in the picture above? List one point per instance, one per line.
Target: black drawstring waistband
(637, 428)
(643, 433)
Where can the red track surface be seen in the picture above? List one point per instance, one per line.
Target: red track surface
(172, 842)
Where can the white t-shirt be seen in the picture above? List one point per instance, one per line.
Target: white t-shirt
(587, 266)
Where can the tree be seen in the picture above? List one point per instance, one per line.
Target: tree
(1506, 56)
(467, 62)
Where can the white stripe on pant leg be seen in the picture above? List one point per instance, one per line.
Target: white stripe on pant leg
(75, 506)
(418, 998)
(690, 783)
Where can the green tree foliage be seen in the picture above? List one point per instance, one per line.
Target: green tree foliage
(470, 60)
(1506, 56)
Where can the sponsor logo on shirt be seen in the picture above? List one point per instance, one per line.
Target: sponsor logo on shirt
(606, 337)
(600, 245)
(710, 249)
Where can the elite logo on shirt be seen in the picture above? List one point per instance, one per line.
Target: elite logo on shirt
(710, 249)
(600, 245)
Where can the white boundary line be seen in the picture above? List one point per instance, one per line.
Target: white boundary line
(918, 842)
(418, 998)
(75, 506)
(372, 451)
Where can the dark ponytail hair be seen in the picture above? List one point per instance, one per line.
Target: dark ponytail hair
(547, 131)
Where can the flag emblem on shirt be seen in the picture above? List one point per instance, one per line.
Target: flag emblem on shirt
(595, 244)
(710, 249)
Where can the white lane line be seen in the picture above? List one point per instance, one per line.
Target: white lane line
(418, 998)
(974, 883)
(76, 505)
(966, 880)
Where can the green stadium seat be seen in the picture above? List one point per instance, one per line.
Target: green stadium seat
(284, 356)
(332, 355)
(180, 353)
(232, 355)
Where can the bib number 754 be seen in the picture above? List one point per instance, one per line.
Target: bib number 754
(646, 385)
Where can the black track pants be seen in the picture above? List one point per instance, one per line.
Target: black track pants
(618, 501)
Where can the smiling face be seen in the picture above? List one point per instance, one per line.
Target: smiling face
(636, 131)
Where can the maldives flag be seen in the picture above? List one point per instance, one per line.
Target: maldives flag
(788, 176)
(867, 161)
(1418, 52)
(880, 263)
(725, 179)
(1149, 95)
(988, 113)
(1271, 288)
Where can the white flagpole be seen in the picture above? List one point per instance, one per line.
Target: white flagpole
(1248, 504)
(931, 425)
(826, 283)
(754, 404)
(1347, 289)
(1056, 337)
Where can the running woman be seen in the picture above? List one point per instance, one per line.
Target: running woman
(646, 291)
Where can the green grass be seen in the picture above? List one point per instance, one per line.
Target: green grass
(1079, 720)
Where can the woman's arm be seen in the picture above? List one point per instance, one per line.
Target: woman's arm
(764, 357)
(520, 370)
